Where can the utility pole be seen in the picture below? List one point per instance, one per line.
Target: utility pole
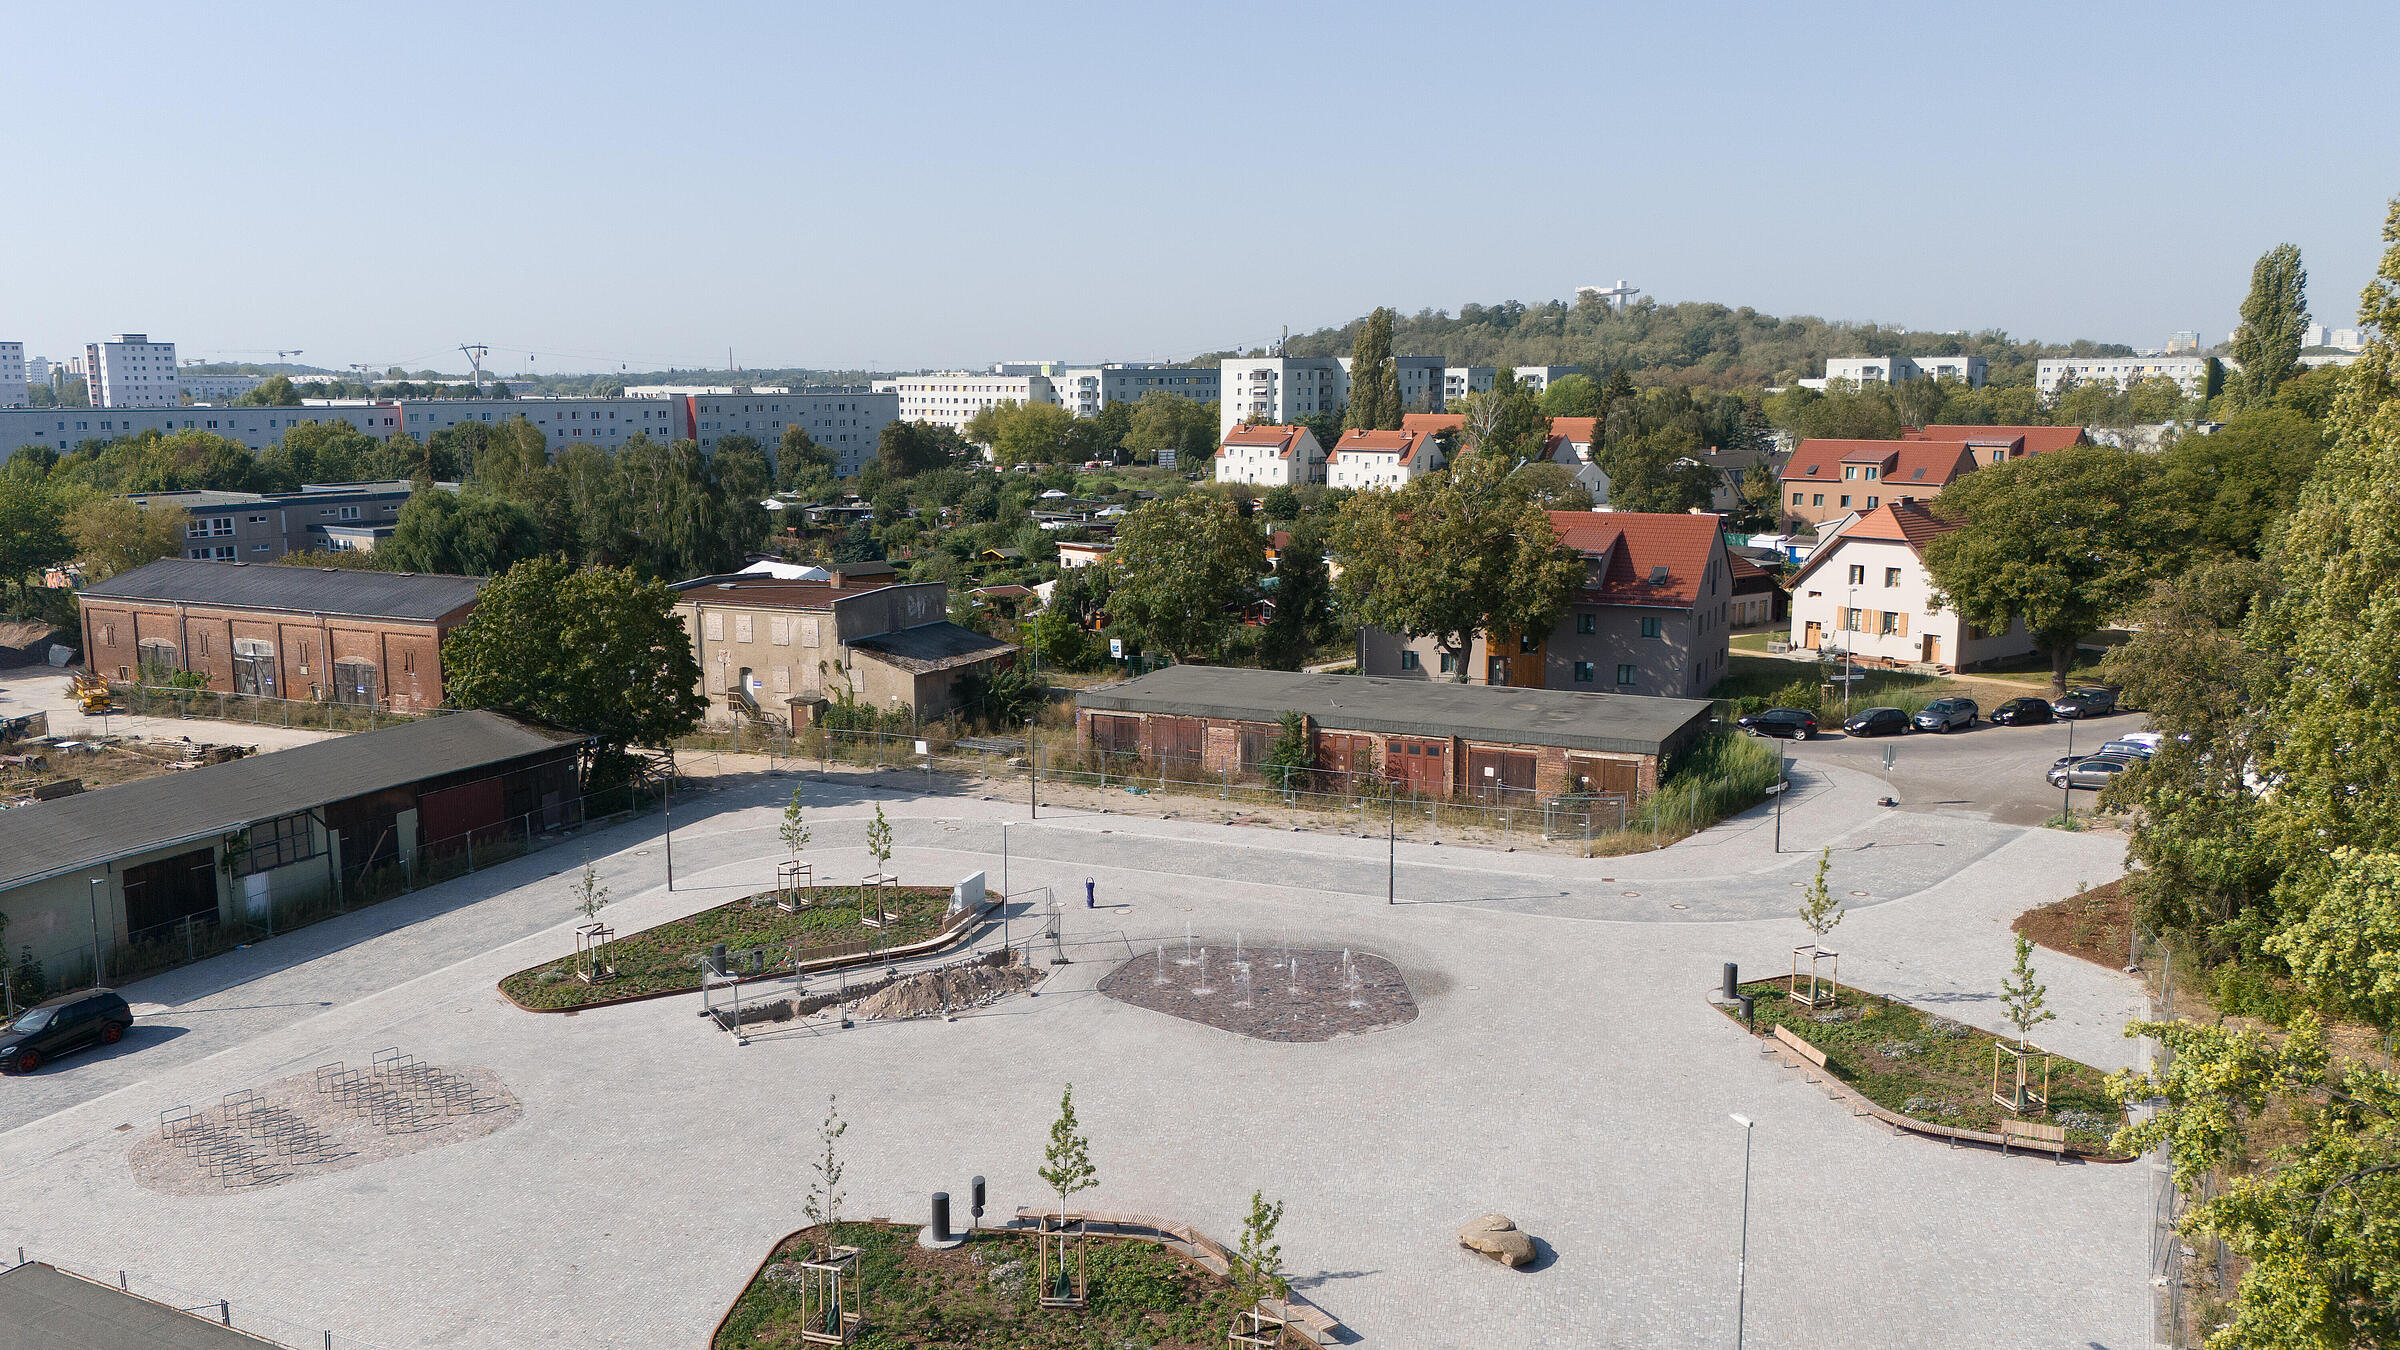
(476, 351)
(667, 814)
(1741, 1277)
(1391, 855)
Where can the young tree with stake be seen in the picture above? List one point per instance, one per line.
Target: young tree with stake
(823, 1203)
(2022, 998)
(590, 895)
(1822, 913)
(1067, 1162)
(794, 828)
(1258, 1264)
(879, 841)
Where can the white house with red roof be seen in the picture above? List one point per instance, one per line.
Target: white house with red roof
(1652, 617)
(1270, 456)
(1381, 459)
(1866, 591)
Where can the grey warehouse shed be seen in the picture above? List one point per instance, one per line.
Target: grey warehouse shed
(1428, 738)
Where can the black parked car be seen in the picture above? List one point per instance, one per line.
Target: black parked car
(68, 1022)
(1796, 723)
(2092, 702)
(1944, 713)
(2022, 712)
(1878, 722)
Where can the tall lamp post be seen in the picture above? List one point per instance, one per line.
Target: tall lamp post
(1850, 625)
(93, 895)
(1741, 1276)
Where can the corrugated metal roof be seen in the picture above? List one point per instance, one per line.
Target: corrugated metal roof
(293, 589)
(1620, 723)
(93, 828)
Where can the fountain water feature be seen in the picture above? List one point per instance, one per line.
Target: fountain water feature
(1241, 985)
(1161, 977)
(1351, 980)
(1201, 990)
(1187, 944)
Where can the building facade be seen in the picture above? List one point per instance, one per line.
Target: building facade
(775, 649)
(1992, 445)
(13, 380)
(261, 527)
(2190, 373)
(1278, 389)
(1270, 456)
(1867, 592)
(951, 398)
(217, 388)
(1967, 370)
(1425, 741)
(1653, 617)
(1087, 391)
(370, 639)
(1827, 480)
(131, 371)
(1381, 459)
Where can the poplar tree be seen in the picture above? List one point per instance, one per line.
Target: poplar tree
(2274, 316)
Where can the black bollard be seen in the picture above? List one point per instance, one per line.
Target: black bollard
(975, 1200)
(937, 1232)
(1733, 981)
(1750, 1012)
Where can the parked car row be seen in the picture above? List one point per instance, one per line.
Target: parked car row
(1940, 716)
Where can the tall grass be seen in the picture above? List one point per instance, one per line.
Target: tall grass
(1722, 775)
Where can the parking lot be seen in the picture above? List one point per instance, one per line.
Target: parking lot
(1995, 773)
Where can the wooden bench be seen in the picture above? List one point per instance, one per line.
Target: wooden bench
(2032, 1134)
(1799, 1047)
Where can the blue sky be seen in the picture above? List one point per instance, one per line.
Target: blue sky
(897, 186)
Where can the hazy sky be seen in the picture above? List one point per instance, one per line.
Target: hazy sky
(894, 186)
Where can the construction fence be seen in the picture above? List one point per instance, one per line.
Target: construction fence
(150, 700)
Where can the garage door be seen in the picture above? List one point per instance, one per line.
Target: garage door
(1499, 777)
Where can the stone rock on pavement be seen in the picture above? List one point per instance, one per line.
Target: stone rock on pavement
(1497, 1236)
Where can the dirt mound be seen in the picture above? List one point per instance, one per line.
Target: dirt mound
(951, 989)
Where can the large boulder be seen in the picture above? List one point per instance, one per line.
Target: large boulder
(1497, 1236)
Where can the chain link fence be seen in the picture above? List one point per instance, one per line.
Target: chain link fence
(151, 700)
(2193, 1277)
(1048, 767)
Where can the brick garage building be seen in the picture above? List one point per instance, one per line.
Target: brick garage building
(1441, 740)
(322, 634)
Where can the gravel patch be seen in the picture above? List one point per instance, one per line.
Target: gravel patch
(1269, 994)
(290, 1129)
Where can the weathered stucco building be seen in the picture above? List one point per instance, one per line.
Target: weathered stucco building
(1436, 740)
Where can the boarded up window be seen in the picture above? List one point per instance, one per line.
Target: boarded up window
(1257, 743)
(712, 628)
(808, 632)
(779, 631)
(741, 628)
(783, 679)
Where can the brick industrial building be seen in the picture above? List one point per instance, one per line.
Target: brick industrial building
(322, 634)
(1440, 740)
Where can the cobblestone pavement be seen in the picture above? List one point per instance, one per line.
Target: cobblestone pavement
(1564, 1069)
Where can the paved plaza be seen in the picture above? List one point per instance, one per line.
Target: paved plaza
(1564, 1068)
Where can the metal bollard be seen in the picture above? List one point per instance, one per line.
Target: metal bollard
(937, 1233)
(975, 1202)
(1733, 981)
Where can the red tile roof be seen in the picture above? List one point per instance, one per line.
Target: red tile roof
(2038, 440)
(1926, 464)
(1429, 423)
(1907, 523)
(1282, 438)
(1576, 429)
(1630, 546)
(1403, 442)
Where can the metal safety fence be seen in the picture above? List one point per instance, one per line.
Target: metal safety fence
(2192, 1275)
(259, 710)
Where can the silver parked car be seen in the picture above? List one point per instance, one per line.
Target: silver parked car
(2089, 771)
(1944, 713)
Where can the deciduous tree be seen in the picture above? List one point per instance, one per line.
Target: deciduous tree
(1374, 377)
(113, 535)
(2274, 319)
(1183, 566)
(1451, 555)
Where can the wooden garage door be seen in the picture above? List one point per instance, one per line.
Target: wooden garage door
(1499, 776)
(1179, 738)
(1348, 757)
(1589, 776)
(1113, 735)
(1418, 768)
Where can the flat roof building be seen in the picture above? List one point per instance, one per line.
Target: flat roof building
(1424, 738)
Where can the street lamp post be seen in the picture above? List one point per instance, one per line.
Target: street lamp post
(2066, 780)
(1850, 621)
(93, 895)
(1741, 1276)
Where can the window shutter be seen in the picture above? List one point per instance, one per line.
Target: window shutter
(741, 628)
(1904, 625)
(779, 631)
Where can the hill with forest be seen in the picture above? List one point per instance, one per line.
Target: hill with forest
(1688, 342)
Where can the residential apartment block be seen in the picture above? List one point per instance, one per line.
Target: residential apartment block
(1270, 456)
(1828, 480)
(1278, 389)
(1381, 459)
(1967, 370)
(2191, 373)
(217, 388)
(12, 376)
(1653, 616)
(776, 649)
(1867, 592)
(131, 371)
(372, 639)
(1086, 391)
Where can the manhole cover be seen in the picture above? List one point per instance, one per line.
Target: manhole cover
(1858, 892)
(1631, 895)
(1678, 905)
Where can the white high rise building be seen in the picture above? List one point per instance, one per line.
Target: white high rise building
(12, 375)
(131, 371)
(1278, 389)
(951, 398)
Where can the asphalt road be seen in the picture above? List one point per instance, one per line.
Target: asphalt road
(1995, 772)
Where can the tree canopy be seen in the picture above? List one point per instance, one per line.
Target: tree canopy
(1183, 566)
(2274, 320)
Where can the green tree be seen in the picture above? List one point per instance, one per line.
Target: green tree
(2274, 318)
(590, 896)
(1551, 485)
(1053, 639)
(1183, 566)
(331, 451)
(1374, 377)
(799, 459)
(1023, 433)
(879, 840)
(33, 533)
(460, 534)
(1258, 1260)
(2345, 947)
(275, 391)
(1168, 421)
(1290, 758)
(794, 829)
(2022, 997)
(510, 459)
(2062, 542)
(1505, 421)
(1067, 1162)
(598, 651)
(906, 449)
(1280, 503)
(1303, 601)
(1452, 555)
(1571, 396)
(1657, 471)
(112, 535)
(1820, 908)
(823, 1204)
(745, 477)
(2244, 476)
(2317, 1217)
